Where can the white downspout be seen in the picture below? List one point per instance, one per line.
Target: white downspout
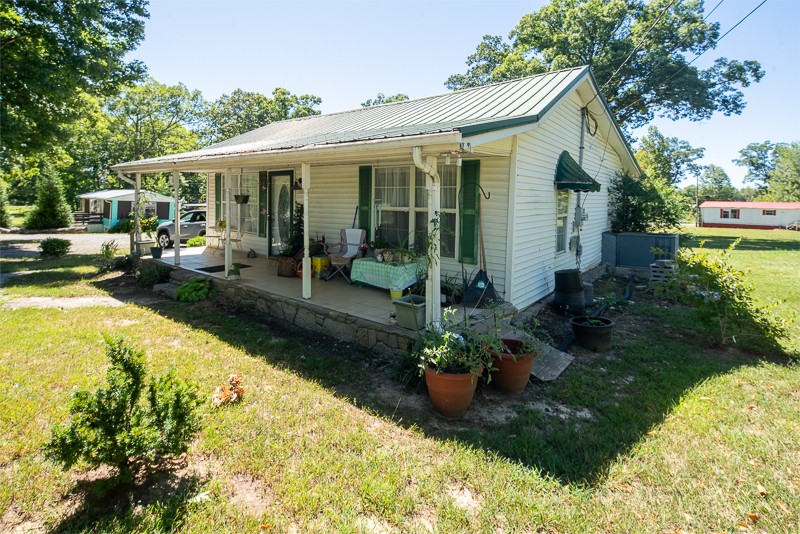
(305, 177)
(433, 310)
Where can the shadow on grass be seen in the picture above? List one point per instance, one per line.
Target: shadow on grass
(572, 428)
(747, 243)
(166, 495)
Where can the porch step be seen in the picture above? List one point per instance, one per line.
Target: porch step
(168, 289)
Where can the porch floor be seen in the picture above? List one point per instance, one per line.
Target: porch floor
(366, 302)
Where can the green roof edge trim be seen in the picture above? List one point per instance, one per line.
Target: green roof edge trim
(570, 175)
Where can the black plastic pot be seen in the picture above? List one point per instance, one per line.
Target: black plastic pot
(568, 298)
(593, 333)
(241, 199)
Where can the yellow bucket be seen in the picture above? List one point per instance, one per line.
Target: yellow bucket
(395, 294)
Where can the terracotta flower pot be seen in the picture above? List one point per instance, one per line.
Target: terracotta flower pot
(451, 394)
(513, 368)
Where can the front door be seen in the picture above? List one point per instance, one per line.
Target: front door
(280, 209)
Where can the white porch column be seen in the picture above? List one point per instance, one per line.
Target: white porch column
(137, 219)
(433, 283)
(305, 174)
(176, 185)
(226, 187)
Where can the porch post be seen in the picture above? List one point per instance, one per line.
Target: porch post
(176, 185)
(305, 176)
(137, 220)
(227, 199)
(433, 283)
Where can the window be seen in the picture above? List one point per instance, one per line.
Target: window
(447, 217)
(729, 214)
(401, 207)
(769, 212)
(562, 213)
(244, 216)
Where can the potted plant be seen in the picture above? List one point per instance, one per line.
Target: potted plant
(511, 367)
(593, 333)
(451, 358)
(292, 246)
(243, 198)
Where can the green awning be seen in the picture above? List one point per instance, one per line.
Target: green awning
(569, 175)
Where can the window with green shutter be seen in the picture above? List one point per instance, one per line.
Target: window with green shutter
(218, 196)
(468, 213)
(365, 198)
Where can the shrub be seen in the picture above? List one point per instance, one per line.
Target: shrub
(199, 241)
(123, 226)
(5, 217)
(151, 274)
(723, 298)
(195, 290)
(119, 263)
(50, 210)
(53, 247)
(108, 249)
(113, 426)
(644, 204)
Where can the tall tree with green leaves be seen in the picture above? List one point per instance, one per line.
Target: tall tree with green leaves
(715, 184)
(640, 52)
(53, 52)
(243, 111)
(668, 158)
(774, 168)
(5, 216)
(383, 99)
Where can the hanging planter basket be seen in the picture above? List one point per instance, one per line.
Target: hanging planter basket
(241, 199)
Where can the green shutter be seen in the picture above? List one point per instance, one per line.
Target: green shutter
(217, 197)
(365, 198)
(468, 214)
(263, 203)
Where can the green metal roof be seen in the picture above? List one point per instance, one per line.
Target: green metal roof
(469, 112)
(570, 175)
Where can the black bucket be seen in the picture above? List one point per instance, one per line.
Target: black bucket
(569, 297)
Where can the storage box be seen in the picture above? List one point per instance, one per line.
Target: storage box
(318, 263)
(410, 311)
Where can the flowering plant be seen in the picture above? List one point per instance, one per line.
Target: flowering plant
(450, 347)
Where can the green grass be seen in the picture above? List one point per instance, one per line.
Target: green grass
(676, 434)
(18, 214)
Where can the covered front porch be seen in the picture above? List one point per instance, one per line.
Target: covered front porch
(359, 315)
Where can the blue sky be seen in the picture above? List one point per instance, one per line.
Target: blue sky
(347, 51)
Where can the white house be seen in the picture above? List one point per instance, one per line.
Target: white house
(766, 215)
(543, 150)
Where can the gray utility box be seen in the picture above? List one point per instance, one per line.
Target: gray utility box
(634, 249)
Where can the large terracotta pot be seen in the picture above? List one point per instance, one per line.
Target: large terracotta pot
(512, 368)
(451, 394)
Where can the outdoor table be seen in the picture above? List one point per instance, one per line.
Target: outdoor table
(395, 276)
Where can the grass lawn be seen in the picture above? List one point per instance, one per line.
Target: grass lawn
(664, 433)
(18, 214)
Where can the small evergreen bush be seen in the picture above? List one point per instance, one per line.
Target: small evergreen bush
(5, 216)
(53, 247)
(642, 204)
(127, 424)
(195, 290)
(50, 210)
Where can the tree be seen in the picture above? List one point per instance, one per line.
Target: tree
(244, 111)
(667, 158)
(53, 53)
(785, 183)
(715, 184)
(639, 51)
(759, 158)
(641, 204)
(383, 99)
(5, 216)
(50, 210)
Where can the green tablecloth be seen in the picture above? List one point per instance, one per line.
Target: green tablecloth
(397, 276)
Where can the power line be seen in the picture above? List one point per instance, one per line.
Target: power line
(699, 55)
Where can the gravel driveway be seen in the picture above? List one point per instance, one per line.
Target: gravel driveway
(27, 245)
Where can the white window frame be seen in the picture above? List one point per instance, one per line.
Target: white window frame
(415, 207)
(247, 218)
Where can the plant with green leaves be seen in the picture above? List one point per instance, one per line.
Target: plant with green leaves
(195, 290)
(723, 297)
(54, 247)
(151, 273)
(108, 249)
(199, 241)
(5, 216)
(127, 424)
(641, 204)
(50, 210)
